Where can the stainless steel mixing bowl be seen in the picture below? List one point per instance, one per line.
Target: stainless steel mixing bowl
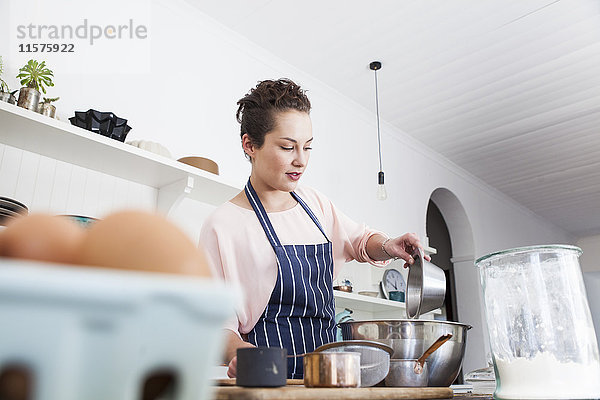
(410, 338)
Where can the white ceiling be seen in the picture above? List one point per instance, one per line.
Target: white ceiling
(507, 89)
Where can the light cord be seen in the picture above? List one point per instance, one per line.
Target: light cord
(378, 132)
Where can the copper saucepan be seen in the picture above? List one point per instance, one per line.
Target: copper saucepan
(339, 369)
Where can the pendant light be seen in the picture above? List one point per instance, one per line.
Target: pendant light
(381, 192)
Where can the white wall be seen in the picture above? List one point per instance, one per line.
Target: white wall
(592, 287)
(590, 265)
(590, 259)
(199, 69)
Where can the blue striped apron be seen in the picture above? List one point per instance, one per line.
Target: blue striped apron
(300, 312)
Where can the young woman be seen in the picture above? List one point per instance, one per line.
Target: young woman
(284, 243)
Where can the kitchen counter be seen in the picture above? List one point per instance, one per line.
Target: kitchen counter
(299, 392)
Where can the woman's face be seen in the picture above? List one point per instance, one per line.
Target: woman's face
(282, 159)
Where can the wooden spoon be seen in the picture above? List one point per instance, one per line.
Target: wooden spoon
(421, 360)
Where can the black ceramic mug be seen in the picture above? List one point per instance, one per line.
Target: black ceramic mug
(261, 367)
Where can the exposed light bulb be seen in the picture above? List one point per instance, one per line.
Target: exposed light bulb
(381, 192)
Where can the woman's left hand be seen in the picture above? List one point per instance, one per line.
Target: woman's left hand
(404, 246)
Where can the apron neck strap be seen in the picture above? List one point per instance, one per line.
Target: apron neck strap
(310, 213)
(261, 214)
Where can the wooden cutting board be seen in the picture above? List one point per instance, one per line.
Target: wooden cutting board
(231, 382)
(302, 393)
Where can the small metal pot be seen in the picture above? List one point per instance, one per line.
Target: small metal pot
(29, 98)
(340, 369)
(47, 109)
(8, 97)
(407, 373)
(343, 288)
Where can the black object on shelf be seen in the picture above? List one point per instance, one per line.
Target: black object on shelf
(103, 123)
(11, 209)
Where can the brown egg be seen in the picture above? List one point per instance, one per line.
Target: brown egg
(16, 383)
(41, 237)
(141, 241)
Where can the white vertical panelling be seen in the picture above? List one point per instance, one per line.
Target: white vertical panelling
(131, 196)
(46, 185)
(9, 171)
(148, 198)
(92, 194)
(60, 188)
(27, 177)
(76, 191)
(105, 198)
(120, 200)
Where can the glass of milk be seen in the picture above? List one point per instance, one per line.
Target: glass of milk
(539, 324)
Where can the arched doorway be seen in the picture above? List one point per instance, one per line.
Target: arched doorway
(466, 291)
(439, 238)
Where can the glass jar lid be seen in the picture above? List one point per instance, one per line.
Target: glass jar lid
(526, 249)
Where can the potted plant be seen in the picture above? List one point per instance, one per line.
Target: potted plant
(46, 108)
(34, 76)
(5, 94)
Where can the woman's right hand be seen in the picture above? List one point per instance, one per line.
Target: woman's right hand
(232, 368)
(235, 343)
(403, 247)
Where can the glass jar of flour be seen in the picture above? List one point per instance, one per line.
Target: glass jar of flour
(539, 324)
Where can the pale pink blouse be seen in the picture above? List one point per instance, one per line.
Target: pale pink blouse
(239, 252)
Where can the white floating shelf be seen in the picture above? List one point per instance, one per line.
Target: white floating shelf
(30, 131)
(359, 302)
(429, 250)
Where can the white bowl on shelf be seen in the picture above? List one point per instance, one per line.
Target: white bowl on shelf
(368, 293)
(152, 147)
